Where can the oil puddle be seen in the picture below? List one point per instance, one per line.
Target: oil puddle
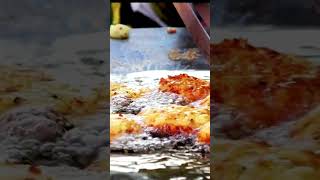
(163, 165)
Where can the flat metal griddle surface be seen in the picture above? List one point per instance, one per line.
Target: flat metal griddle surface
(148, 48)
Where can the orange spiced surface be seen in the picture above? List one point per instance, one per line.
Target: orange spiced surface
(266, 86)
(175, 119)
(190, 87)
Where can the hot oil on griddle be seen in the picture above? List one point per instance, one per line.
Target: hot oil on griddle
(150, 153)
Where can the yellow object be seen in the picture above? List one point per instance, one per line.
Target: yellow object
(116, 13)
(119, 31)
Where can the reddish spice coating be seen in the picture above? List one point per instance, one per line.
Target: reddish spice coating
(266, 86)
(190, 87)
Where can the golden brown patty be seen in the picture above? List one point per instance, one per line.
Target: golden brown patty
(190, 87)
(204, 133)
(267, 87)
(175, 119)
(121, 124)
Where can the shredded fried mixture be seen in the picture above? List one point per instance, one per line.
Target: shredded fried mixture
(269, 91)
(266, 86)
(170, 119)
(204, 133)
(189, 55)
(176, 119)
(120, 125)
(190, 87)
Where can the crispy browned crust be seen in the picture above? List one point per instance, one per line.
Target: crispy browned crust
(204, 134)
(172, 119)
(266, 86)
(121, 125)
(175, 119)
(190, 87)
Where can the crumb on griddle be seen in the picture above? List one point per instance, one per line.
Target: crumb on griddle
(171, 30)
(190, 54)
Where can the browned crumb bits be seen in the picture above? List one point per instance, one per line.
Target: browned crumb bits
(171, 30)
(189, 54)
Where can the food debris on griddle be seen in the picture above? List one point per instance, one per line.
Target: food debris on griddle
(189, 54)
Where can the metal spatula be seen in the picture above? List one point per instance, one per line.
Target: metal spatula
(196, 18)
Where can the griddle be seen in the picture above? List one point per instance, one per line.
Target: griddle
(148, 48)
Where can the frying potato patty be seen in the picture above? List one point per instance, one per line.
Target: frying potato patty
(175, 119)
(204, 134)
(120, 125)
(266, 87)
(190, 87)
